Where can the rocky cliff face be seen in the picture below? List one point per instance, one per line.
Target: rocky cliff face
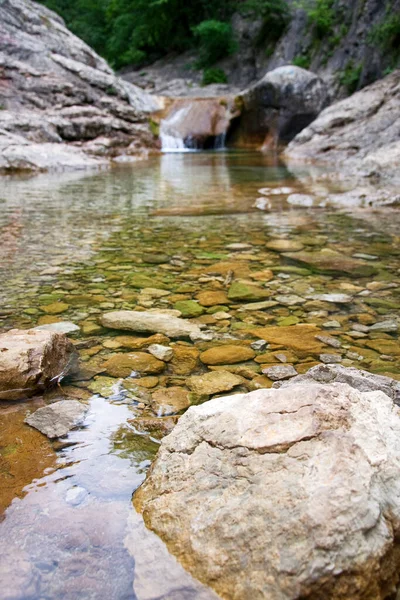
(60, 103)
(359, 135)
(343, 54)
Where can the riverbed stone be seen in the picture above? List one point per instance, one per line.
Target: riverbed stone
(389, 347)
(169, 401)
(299, 338)
(243, 292)
(331, 517)
(213, 382)
(57, 419)
(284, 245)
(185, 359)
(332, 263)
(389, 326)
(138, 343)
(212, 298)
(32, 360)
(334, 298)
(55, 308)
(224, 355)
(140, 281)
(189, 309)
(279, 372)
(60, 327)
(156, 426)
(150, 322)
(124, 364)
(164, 353)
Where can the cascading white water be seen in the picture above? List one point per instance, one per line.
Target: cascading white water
(195, 124)
(170, 135)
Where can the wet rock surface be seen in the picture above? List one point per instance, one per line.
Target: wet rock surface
(57, 419)
(97, 254)
(32, 360)
(339, 449)
(150, 322)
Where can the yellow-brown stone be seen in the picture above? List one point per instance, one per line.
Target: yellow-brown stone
(122, 365)
(226, 355)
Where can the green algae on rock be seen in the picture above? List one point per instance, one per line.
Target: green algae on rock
(243, 292)
(123, 365)
(333, 263)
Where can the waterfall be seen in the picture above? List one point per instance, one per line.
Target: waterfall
(193, 124)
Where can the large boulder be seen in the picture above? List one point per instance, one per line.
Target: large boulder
(356, 378)
(284, 493)
(56, 90)
(360, 133)
(31, 360)
(279, 106)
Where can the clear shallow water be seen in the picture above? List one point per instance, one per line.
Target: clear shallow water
(71, 531)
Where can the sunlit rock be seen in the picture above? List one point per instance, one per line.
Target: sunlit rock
(283, 493)
(32, 360)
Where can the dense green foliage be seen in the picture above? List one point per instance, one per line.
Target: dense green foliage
(386, 35)
(214, 75)
(138, 31)
(322, 17)
(215, 41)
(350, 77)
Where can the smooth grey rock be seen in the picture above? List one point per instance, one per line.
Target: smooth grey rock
(385, 326)
(151, 322)
(282, 493)
(280, 372)
(334, 298)
(302, 200)
(56, 420)
(356, 378)
(281, 104)
(161, 352)
(329, 340)
(330, 358)
(32, 360)
(259, 345)
(60, 327)
(289, 300)
(347, 132)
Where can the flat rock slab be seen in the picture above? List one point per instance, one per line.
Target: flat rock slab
(57, 419)
(213, 382)
(300, 338)
(332, 263)
(150, 322)
(60, 327)
(283, 493)
(225, 355)
(31, 360)
(124, 364)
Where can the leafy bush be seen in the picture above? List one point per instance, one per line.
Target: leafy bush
(214, 75)
(350, 77)
(322, 17)
(215, 41)
(140, 31)
(386, 35)
(303, 61)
